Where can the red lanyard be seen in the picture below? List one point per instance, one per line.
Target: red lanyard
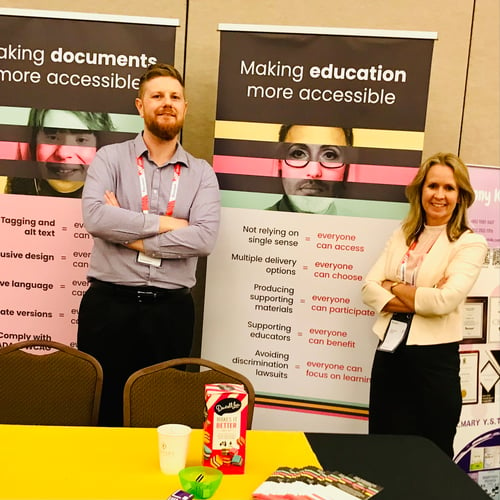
(144, 187)
(411, 279)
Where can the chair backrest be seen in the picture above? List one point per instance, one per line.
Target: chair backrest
(162, 393)
(58, 385)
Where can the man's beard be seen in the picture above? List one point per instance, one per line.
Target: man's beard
(166, 131)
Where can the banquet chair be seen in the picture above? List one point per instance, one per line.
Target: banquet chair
(48, 383)
(163, 393)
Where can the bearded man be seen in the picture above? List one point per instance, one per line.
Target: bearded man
(152, 209)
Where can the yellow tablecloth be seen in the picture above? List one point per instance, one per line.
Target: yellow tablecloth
(43, 462)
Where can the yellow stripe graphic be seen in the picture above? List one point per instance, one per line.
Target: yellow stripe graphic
(363, 138)
(247, 131)
(388, 139)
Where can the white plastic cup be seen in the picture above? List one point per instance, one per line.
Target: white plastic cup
(173, 441)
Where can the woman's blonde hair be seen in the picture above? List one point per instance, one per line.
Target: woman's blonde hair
(413, 225)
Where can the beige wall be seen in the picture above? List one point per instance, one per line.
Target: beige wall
(464, 96)
(480, 138)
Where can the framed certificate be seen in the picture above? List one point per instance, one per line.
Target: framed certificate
(494, 329)
(469, 376)
(475, 320)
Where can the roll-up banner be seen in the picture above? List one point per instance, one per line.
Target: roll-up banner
(317, 133)
(477, 443)
(67, 86)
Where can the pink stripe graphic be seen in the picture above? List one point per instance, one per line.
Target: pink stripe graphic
(244, 165)
(78, 155)
(13, 150)
(381, 174)
(268, 167)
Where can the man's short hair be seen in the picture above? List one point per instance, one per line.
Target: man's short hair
(156, 70)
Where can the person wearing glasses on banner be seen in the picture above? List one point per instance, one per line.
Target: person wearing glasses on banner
(312, 167)
(418, 287)
(152, 209)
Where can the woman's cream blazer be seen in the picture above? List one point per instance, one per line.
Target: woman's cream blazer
(438, 312)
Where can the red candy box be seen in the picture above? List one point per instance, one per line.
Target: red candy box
(224, 430)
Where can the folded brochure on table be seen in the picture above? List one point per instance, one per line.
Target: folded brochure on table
(313, 483)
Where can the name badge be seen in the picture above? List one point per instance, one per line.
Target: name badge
(151, 261)
(396, 332)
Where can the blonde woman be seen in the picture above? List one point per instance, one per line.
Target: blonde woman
(418, 286)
